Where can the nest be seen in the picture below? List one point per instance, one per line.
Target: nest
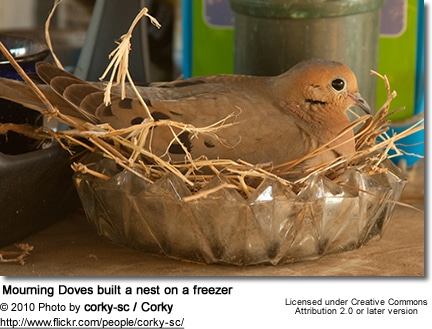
(220, 210)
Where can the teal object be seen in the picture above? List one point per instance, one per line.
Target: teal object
(412, 146)
(186, 12)
(419, 107)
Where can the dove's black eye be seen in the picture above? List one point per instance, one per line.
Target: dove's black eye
(338, 84)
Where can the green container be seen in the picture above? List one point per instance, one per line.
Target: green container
(401, 56)
(273, 35)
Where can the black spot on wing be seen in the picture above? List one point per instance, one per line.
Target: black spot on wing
(209, 144)
(137, 121)
(177, 148)
(107, 111)
(157, 116)
(147, 101)
(126, 103)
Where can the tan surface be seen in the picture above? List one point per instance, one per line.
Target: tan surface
(71, 247)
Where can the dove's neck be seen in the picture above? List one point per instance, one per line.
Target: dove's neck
(322, 124)
(326, 120)
(328, 125)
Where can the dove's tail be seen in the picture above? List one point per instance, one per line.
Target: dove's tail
(63, 90)
(20, 92)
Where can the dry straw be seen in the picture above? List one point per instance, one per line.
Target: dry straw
(16, 255)
(129, 147)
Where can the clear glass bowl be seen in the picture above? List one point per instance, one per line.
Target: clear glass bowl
(272, 226)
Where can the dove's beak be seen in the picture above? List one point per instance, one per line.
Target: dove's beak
(360, 102)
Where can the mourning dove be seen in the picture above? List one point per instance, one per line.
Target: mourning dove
(275, 119)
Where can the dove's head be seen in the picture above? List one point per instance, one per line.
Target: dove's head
(324, 82)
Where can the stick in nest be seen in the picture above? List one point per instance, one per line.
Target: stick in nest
(120, 64)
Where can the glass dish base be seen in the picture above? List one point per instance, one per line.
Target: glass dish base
(272, 226)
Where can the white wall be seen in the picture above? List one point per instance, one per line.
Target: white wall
(17, 14)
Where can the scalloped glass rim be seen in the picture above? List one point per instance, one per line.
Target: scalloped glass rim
(273, 226)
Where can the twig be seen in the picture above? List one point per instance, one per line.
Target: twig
(120, 64)
(12, 256)
(47, 35)
(205, 193)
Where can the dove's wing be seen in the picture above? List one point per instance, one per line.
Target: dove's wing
(253, 124)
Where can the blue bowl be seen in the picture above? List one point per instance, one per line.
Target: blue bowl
(25, 51)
